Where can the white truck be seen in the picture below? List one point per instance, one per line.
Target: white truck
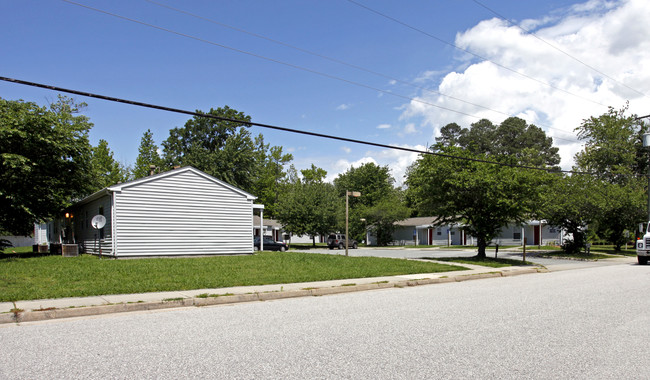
(643, 247)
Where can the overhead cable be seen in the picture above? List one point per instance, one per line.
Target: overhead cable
(472, 53)
(278, 128)
(338, 61)
(555, 47)
(302, 68)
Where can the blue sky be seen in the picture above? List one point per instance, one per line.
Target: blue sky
(66, 45)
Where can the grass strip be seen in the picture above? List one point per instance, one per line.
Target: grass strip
(55, 276)
(580, 256)
(487, 261)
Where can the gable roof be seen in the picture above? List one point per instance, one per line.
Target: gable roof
(135, 182)
(419, 221)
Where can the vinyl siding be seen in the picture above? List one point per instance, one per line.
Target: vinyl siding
(182, 214)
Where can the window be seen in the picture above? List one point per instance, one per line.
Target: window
(516, 236)
(439, 232)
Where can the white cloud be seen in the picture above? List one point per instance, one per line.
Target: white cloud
(410, 129)
(610, 36)
(343, 107)
(342, 165)
(383, 126)
(397, 160)
(346, 149)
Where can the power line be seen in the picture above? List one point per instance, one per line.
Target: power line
(555, 47)
(471, 53)
(329, 76)
(335, 60)
(274, 127)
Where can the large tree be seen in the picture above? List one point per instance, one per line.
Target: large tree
(380, 204)
(309, 206)
(513, 139)
(481, 197)
(611, 155)
(575, 203)
(223, 149)
(148, 156)
(270, 175)
(106, 171)
(44, 160)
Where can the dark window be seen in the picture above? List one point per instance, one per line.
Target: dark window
(516, 236)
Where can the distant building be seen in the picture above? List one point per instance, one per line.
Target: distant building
(420, 231)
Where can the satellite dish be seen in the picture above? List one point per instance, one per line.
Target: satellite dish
(98, 221)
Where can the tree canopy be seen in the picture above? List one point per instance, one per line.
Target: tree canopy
(611, 199)
(106, 171)
(45, 158)
(223, 149)
(309, 206)
(147, 156)
(380, 204)
(482, 198)
(513, 139)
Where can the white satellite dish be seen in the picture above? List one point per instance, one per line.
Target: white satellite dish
(98, 221)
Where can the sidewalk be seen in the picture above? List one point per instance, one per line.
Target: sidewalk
(37, 310)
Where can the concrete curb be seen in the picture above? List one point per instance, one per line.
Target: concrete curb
(18, 315)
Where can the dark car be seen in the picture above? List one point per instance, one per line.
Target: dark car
(338, 241)
(269, 244)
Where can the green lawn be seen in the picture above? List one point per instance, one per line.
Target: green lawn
(631, 251)
(487, 262)
(581, 256)
(25, 278)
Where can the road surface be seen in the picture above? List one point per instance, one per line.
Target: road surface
(585, 324)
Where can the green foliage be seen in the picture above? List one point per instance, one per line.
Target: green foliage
(374, 182)
(313, 174)
(380, 204)
(226, 150)
(270, 179)
(612, 200)
(44, 160)
(381, 217)
(147, 156)
(106, 171)
(573, 203)
(513, 140)
(482, 197)
(223, 149)
(610, 146)
(308, 207)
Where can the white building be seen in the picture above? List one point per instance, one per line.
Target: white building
(420, 231)
(179, 212)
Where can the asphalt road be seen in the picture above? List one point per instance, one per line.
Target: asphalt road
(582, 324)
(411, 253)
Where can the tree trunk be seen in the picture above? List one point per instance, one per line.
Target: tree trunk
(482, 244)
(313, 241)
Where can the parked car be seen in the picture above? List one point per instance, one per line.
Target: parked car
(269, 244)
(338, 241)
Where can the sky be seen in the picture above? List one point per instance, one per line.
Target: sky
(390, 72)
